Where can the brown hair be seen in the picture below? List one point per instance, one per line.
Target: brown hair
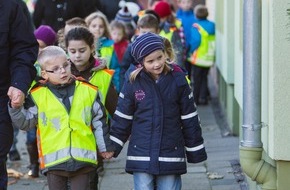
(119, 25)
(148, 21)
(201, 11)
(76, 21)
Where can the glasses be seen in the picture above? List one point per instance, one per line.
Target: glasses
(58, 70)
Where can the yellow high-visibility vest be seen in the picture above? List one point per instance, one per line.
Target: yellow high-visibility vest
(62, 135)
(107, 53)
(102, 79)
(204, 55)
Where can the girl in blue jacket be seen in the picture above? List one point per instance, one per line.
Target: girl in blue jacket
(156, 109)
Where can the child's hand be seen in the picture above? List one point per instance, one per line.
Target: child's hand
(107, 155)
(16, 97)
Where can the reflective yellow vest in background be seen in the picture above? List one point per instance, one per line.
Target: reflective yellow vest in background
(102, 79)
(62, 135)
(107, 53)
(204, 55)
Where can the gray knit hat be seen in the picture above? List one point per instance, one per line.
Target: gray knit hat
(145, 44)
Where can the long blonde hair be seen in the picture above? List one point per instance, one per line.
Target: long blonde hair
(101, 16)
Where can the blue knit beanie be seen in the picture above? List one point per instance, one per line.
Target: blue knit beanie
(145, 44)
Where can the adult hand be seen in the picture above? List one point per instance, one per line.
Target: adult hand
(16, 97)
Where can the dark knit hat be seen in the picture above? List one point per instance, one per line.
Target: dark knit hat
(46, 34)
(145, 44)
(163, 9)
(124, 15)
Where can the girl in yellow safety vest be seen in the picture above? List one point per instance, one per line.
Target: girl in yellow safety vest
(99, 27)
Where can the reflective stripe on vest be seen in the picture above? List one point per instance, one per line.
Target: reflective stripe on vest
(62, 136)
(204, 55)
(107, 53)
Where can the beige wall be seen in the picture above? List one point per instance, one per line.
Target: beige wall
(279, 79)
(275, 66)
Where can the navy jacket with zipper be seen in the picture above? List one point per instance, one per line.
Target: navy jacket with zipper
(162, 121)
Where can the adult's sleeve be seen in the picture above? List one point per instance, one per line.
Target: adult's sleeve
(23, 51)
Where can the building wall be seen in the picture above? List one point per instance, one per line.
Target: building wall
(275, 89)
(275, 67)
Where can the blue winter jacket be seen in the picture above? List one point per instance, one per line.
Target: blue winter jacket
(162, 121)
(187, 18)
(195, 39)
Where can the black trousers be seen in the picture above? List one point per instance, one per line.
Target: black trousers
(6, 139)
(200, 83)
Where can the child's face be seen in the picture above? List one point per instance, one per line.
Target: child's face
(185, 5)
(57, 71)
(154, 63)
(144, 30)
(79, 53)
(97, 27)
(117, 34)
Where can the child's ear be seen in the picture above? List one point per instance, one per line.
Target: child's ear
(93, 49)
(44, 75)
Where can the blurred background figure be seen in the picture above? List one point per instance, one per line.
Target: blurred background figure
(202, 53)
(123, 15)
(56, 12)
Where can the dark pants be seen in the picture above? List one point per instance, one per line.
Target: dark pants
(84, 181)
(6, 139)
(200, 88)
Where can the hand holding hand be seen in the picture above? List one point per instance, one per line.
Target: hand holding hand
(16, 97)
(107, 155)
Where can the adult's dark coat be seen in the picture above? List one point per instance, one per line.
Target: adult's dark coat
(55, 12)
(18, 53)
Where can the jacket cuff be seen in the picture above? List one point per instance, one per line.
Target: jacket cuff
(197, 156)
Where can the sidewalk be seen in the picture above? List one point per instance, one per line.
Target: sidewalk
(220, 172)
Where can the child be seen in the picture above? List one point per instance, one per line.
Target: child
(45, 36)
(202, 51)
(124, 16)
(171, 28)
(68, 112)
(119, 36)
(81, 49)
(98, 25)
(146, 111)
(187, 17)
(146, 23)
(69, 24)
